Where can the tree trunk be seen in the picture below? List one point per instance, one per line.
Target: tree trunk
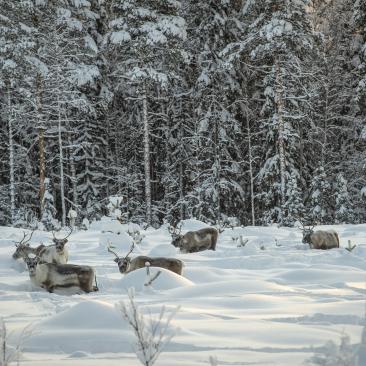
(73, 174)
(42, 162)
(62, 180)
(250, 156)
(42, 170)
(11, 161)
(217, 173)
(281, 129)
(146, 155)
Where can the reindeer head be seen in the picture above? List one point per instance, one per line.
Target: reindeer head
(306, 233)
(32, 263)
(175, 231)
(60, 243)
(22, 246)
(122, 262)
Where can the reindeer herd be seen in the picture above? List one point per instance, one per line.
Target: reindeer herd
(48, 267)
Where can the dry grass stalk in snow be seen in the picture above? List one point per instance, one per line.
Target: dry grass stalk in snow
(151, 335)
(11, 354)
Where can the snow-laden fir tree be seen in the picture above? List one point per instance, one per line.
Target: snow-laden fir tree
(145, 39)
(343, 204)
(216, 186)
(16, 44)
(279, 40)
(294, 206)
(48, 219)
(360, 19)
(320, 194)
(336, 113)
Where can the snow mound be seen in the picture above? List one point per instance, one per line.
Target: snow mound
(87, 314)
(122, 242)
(163, 250)
(80, 329)
(166, 280)
(192, 224)
(107, 224)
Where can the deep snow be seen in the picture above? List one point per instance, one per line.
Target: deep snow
(272, 302)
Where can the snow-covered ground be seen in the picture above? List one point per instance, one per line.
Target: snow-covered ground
(271, 302)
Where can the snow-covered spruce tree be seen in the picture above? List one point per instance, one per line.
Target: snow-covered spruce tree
(67, 74)
(48, 219)
(336, 355)
(66, 83)
(337, 119)
(320, 198)
(144, 41)
(279, 42)
(16, 44)
(294, 206)
(359, 14)
(176, 160)
(343, 204)
(359, 155)
(216, 172)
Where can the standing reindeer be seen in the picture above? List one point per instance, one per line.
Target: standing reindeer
(23, 247)
(320, 239)
(56, 253)
(51, 276)
(126, 264)
(194, 241)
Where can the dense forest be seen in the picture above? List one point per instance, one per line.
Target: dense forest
(246, 111)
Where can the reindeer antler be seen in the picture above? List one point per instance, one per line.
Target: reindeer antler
(54, 236)
(24, 238)
(131, 249)
(111, 251)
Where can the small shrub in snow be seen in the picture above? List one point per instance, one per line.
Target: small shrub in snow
(336, 355)
(151, 336)
(350, 246)
(11, 354)
(240, 241)
(136, 236)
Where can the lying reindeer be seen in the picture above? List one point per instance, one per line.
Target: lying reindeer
(194, 241)
(23, 248)
(55, 253)
(51, 276)
(126, 264)
(320, 239)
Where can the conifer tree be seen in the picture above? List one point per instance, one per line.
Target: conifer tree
(147, 35)
(343, 205)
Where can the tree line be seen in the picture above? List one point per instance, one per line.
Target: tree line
(244, 111)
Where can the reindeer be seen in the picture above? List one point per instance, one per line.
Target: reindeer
(56, 253)
(194, 241)
(320, 239)
(51, 276)
(23, 247)
(126, 264)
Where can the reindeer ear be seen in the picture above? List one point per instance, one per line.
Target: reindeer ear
(116, 260)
